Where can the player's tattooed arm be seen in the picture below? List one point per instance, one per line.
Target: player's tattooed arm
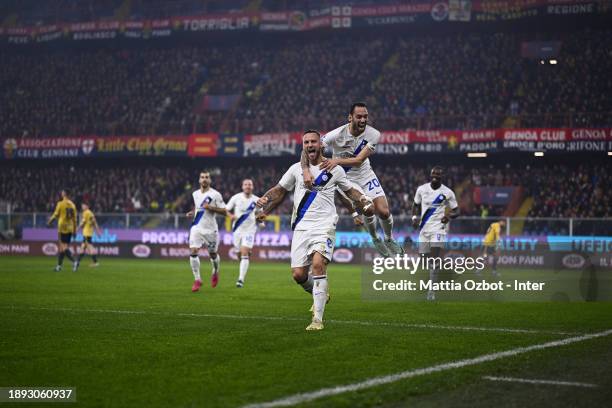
(308, 178)
(272, 199)
(416, 209)
(329, 164)
(348, 204)
(362, 201)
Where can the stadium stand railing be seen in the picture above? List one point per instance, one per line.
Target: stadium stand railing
(471, 225)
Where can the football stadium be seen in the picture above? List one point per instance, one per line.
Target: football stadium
(266, 203)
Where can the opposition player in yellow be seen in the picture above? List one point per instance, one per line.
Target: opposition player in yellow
(88, 224)
(65, 213)
(491, 242)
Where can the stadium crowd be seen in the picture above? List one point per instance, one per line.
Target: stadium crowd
(289, 83)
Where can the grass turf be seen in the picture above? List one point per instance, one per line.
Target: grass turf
(130, 333)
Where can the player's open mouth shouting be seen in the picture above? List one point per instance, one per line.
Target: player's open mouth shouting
(313, 152)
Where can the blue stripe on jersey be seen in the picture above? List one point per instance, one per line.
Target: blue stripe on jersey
(430, 211)
(200, 212)
(356, 153)
(244, 216)
(321, 180)
(303, 207)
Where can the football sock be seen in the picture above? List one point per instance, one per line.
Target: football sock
(81, 255)
(60, 258)
(319, 296)
(194, 260)
(494, 263)
(433, 275)
(244, 267)
(69, 255)
(387, 226)
(95, 258)
(215, 263)
(307, 283)
(370, 224)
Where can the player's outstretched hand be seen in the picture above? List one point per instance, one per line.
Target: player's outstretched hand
(262, 201)
(444, 220)
(261, 217)
(415, 222)
(189, 213)
(308, 179)
(328, 164)
(358, 221)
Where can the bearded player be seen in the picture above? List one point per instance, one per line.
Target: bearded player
(244, 225)
(204, 231)
(313, 221)
(352, 145)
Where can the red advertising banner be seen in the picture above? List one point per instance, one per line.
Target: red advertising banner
(94, 146)
(203, 145)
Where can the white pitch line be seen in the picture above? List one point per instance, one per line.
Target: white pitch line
(547, 382)
(387, 379)
(295, 319)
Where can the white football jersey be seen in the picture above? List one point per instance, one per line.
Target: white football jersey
(433, 203)
(244, 209)
(206, 220)
(314, 210)
(345, 145)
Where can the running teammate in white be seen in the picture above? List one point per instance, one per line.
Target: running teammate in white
(352, 144)
(429, 216)
(313, 221)
(244, 225)
(204, 231)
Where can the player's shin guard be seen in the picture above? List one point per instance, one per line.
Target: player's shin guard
(69, 255)
(194, 260)
(495, 263)
(307, 284)
(319, 296)
(215, 263)
(60, 258)
(387, 226)
(244, 267)
(370, 224)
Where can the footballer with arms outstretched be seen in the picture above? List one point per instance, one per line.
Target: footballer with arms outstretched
(429, 216)
(208, 202)
(313, 221)
(352, 144)
(244, 225)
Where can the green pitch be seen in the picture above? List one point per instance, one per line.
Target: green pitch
(131, 333)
